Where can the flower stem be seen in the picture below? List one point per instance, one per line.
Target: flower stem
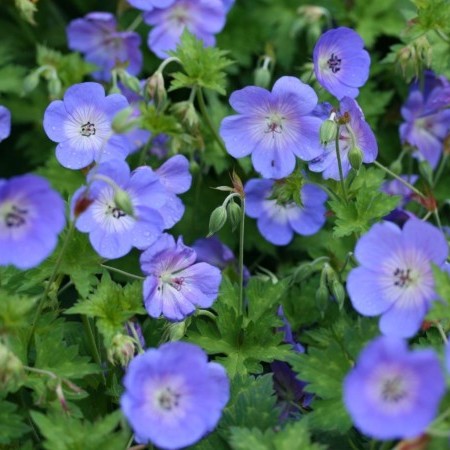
(52, 278)
(92, 343)
(440, 169)
(341, 174)
(144, 152)
(442, 333)
(122, 272)
(204, 111)
(397, 177)
(241, 257)
(136, 22)
(135, 336)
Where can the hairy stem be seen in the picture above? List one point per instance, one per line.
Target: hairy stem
(122, 272)
(341, 174)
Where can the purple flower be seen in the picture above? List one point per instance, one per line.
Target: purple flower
(31, 217)
(341, 64)
(277, 222)
(96, 36)
(173, 395)
(175, 283)
(393, 393)
(81, 125)
(212, 251)
(202, 18)
(355, 132)
(159, 146)
(396, 187)
(395, 277)
(426, 121)
(174, 175)
(274, 127)
(112, 231)
(149, 5)
(5, 123)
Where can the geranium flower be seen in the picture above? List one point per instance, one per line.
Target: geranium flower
(173, 395)
(355, 133)
(113, 231)
(96, 36)
(427, 123)
(31, 217)
(149, 5)
(174, 175)
(341, 64)
(274, 127)
(203, 18)
(81, 125)
(278, 222)
(395, 277)
(175, 283)
(5, 123)
(393, 393)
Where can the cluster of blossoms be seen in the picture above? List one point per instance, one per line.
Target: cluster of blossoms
(169, 18)
(427, 117)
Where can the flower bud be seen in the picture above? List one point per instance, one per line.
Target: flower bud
(355, 157)
(338, 292)
(121, 350)
(31, 81)
(130, 82)
(263, 74)
(11, 370)
(177, 330)
(217, 220)
(121, 122)
(186, 112)
(155, 87)
(123, 202)
(234, 213)
(396, 166)
(322, 298)
(328, 131)
(426, 171)
(54, 87)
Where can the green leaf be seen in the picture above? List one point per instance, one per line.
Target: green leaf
(203, 66)
(112, 305)
(14, 311)
(63, 432)
(440, 308)
(11, 423)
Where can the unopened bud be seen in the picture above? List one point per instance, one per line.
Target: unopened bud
(217, 220)
(11, 370)
(328, 131)
(234, 213)
(130, 82)
(54, 87)
(396, 167)
(30, 82)
(177, 330)
(155, 87)
(121, 350)
(303, 272)
(187, 112)
(123, 201)
(322, 298)
(355, 157)
(338, 292)
(121, 122)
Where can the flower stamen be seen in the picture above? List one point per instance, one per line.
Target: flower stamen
(334, 63)
(88, 129)
(16, 217)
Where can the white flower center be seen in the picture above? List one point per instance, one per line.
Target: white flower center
(167, 399)
(13, 216)
(274, 123)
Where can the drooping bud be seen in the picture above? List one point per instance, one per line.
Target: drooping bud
(54, 87)
(338, 292)
(177, 330)
(426, 171)
(123, 201)
(156, 88)
(130, 82)
(121, 350)
(322, 298)
(328, 131)
(186, 112)
(263, 73)
(31, 81)
(355, 157)
(234, 213)
(217, 220)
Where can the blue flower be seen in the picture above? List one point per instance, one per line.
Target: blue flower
(31, 217)
(173, 395)
(274, 127)
(393, 393)
(278, 222)
(81, 125)
(5, 123)
(175, 283)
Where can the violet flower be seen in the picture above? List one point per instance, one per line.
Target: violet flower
(5, 123)
(113, 231)
(81, 125)
(427, 123)
(173, 395)
(96, 36)
(278, 222)
(393, 393)
(355, 133)
(395, 277)
(175, 283)
(274, 127)
(149, 5)
(341, 64)
(203, 18)
(31, 217)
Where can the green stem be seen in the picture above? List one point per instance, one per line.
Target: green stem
(442, 333)
(92, 343)
(440, 169)
(204, 111)
(206, 313)
(122, 272)
(241, 257)
(52, 278)
(438, 220)
(399, 178)
(341, 174)
(136, 22)
(144, 152)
